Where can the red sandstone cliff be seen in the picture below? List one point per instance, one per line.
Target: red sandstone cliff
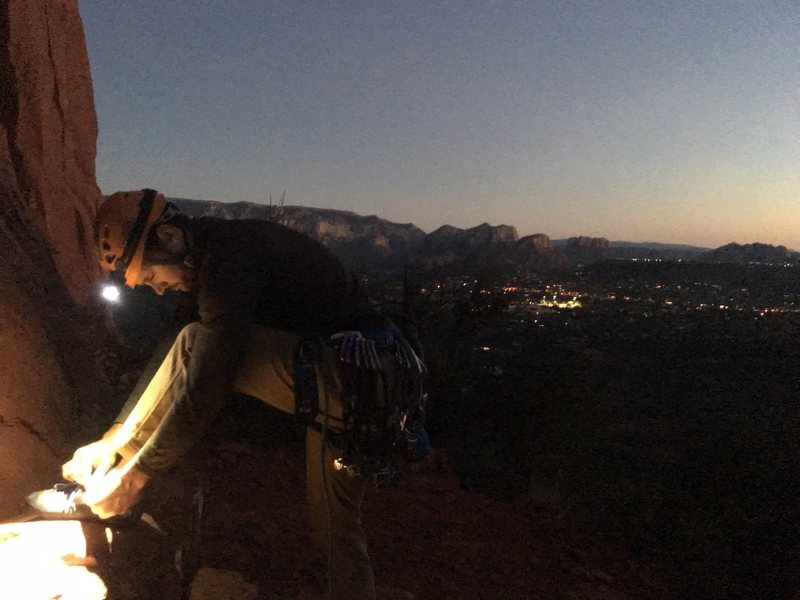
(48, 196)
(50, 129)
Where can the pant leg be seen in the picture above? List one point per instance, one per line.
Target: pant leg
(267, 368)
(157, 395)
(266, 373)
(334, 501)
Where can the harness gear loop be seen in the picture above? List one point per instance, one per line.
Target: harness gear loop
(306, 392)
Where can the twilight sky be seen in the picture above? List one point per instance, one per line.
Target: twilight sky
(674, 120)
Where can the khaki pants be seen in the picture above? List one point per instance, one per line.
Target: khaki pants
(266, 373)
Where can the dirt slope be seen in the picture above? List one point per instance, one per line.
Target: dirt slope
(429, 539)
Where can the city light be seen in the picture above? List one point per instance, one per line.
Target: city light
(572, 304)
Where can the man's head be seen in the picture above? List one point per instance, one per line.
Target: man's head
(142, 236)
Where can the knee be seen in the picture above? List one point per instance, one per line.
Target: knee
(189, 334)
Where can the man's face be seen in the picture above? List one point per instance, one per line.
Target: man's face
(176, 277)
(165, 267)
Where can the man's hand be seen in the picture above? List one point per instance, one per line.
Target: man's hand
(93, 460)
(116, 492)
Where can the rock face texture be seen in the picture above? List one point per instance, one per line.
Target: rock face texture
(50, 129)
(47, 201)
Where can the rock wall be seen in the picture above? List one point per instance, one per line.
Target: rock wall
(48, 196)
(50, 129)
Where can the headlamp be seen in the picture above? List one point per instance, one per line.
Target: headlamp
(111, 293)
(111, 289)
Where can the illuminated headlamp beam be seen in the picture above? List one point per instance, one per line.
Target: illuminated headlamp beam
(111, 292)
(111, 288)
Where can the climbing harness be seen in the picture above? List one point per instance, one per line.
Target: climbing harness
(306, 395)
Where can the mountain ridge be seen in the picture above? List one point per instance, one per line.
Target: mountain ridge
(372, 243)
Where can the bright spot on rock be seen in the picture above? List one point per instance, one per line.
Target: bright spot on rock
(32, 564)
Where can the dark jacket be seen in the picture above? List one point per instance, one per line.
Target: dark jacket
(248, 272)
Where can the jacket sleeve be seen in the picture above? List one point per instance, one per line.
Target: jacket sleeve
(178, 315)
(228, 289)
(146, 375)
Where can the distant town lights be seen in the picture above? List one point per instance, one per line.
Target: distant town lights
(555, 303)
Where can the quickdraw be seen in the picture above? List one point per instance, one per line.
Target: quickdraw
(382, 397)
(378, 415)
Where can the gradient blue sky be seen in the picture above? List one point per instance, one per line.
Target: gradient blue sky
(674, 121)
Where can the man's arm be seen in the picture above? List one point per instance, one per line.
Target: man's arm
(228, 289)
(161, 351)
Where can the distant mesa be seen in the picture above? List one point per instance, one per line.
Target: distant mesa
(584, 250)
(372, 244)
(537, 241)
(481, 235)
(365, 242)
(537, 252)
(583, 241)
(755, 253)
(446, 231)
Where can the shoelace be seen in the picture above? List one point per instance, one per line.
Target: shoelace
(62, 498)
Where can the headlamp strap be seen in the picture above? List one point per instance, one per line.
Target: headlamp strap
(145, 208)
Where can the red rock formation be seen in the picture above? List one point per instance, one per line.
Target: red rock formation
(48, 197)
(539, 241)
(538, 252)
(50, 129)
